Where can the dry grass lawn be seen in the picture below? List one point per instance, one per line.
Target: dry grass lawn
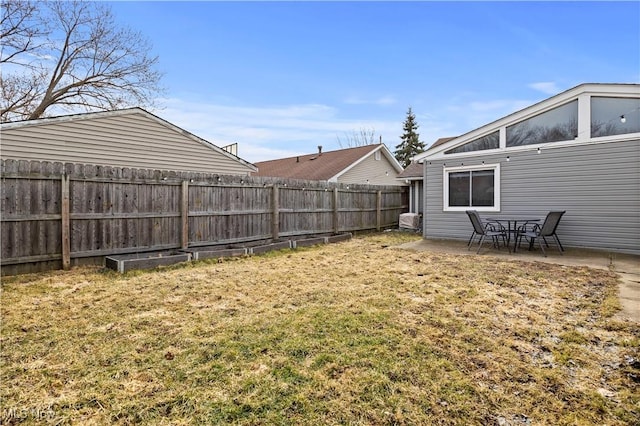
(358, 332)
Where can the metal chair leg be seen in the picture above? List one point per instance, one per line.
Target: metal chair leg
(558, 243)
(471, 240)
(480, 244)
(545, 241)
(542, 247)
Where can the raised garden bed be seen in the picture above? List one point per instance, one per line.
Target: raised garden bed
(270, 247)
(308, 242)
(213, 252)
(150, 260)
(127, 262)
(338, 238)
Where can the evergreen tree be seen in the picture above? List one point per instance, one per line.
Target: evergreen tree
(411, 144)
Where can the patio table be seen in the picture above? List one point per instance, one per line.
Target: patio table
(512, 230)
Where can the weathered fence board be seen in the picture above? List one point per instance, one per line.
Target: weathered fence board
(54, 215)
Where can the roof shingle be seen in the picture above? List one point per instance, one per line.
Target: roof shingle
(317, 166)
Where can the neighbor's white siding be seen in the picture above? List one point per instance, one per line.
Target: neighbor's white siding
(128, 140)
(375, 171)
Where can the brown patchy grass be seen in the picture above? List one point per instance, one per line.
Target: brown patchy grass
(359, 332)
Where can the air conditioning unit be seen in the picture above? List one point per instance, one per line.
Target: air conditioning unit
(409, 221)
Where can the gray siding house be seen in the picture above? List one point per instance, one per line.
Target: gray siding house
(131, 138)
(577, 151)
(412, 175)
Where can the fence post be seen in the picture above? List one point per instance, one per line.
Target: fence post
(184, 214)
(275, 216)
(378, 210)
(336, 225)
(64, 213)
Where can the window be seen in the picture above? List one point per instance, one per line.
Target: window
(614, 116)
(559, 124)
(376, 155)
(490, 141)
(476, 187)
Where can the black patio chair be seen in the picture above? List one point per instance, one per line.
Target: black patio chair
(484, 223)
(487, 229)
(540, 232)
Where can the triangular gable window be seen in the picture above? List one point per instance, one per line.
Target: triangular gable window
(556, 125)
(490, 141)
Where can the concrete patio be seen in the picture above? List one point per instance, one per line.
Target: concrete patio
(625, 265)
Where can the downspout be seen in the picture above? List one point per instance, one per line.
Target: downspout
(411, 189)
(424, 199)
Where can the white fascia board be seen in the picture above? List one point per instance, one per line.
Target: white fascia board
(383, 149)
(534, 147)
(392, 159)
(592, 89)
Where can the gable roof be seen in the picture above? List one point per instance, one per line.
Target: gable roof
(414, 169)
(27, 124)
(322, 165)
(441, 141)
(598, 89)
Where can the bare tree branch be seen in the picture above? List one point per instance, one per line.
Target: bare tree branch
(362, 137)
(21, 32)
(87, 61)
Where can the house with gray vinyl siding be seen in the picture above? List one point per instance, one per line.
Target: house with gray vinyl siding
(578, 151)
(412, 175)
(132, 138)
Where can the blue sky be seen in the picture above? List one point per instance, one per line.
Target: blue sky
(281, 78)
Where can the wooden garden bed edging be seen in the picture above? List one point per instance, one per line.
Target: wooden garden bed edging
(150, 260)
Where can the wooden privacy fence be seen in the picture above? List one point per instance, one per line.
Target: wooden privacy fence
(55, 215)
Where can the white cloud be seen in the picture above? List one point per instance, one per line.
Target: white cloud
(269, 132)
(464, 115)
(381, 101)
(546, 87)
(500, 106)
(386, 100)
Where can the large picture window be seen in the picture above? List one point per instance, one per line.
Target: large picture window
(476, 187)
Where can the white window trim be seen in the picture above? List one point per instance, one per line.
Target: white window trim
(584, 125)
(496, 188)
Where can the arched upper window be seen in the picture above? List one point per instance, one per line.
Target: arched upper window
(558, 124)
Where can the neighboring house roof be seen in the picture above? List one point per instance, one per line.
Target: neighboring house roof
(325, 166)
(595, 89)
(130, 137)
(414, 170)
(441, 141)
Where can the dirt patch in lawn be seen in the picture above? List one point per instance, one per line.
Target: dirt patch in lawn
(357, 332)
